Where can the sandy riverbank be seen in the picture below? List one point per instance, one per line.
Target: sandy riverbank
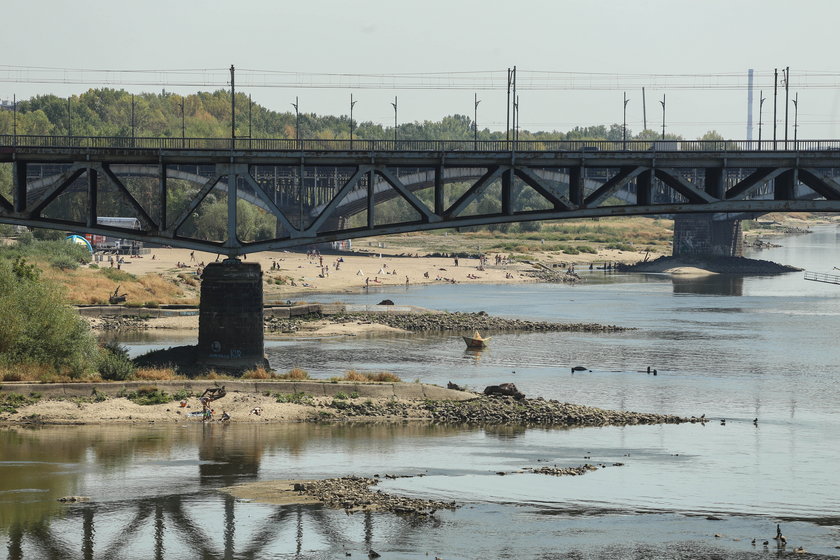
(346, 403)
(293, 275)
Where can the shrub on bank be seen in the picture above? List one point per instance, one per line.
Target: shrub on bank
(295, 374)
(37, 325)
(114, 363)
(379, 376)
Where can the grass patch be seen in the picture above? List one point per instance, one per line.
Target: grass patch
(147, 396)
(258, 373)
(295, 398)
(295, 374)
(156, 374)
(117, 275)
(10, 402)
(378, 376)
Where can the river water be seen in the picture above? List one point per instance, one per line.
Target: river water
(729, 348)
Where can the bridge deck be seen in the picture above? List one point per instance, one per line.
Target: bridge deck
(314, 187)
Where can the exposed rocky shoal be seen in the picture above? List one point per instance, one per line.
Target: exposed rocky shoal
(354, 493)
(123, 322)
(459, 321)
(720, 265)
(498, 410)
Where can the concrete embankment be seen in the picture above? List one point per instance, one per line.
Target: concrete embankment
(408, 391)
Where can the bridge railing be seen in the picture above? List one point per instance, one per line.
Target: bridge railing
(357, 145)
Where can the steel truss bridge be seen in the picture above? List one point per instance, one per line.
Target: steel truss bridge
(318, 191)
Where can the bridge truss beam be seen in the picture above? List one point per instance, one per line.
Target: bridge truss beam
(314, 196)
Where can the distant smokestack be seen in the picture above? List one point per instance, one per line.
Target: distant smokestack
(749, 104)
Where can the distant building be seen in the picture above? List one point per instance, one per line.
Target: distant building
(6, 105)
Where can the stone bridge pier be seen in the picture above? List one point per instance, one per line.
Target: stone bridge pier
(230, 317)
(699, 235)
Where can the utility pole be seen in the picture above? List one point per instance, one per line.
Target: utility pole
(515, 117)
(787, 102)
(516, 107)
(352, 104)
(132, 120)
(69, 119)
(761, 101)
(644, 109)
(250, 108)
(507, 123)
(775, 102)
(795, 120)
(475, 123)
(183, 121)
(663, 116)
(14, 118)
(232, 108)
(394, 104)
(624, 125)
(297, 122)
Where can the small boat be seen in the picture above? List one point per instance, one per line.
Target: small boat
(475, 341)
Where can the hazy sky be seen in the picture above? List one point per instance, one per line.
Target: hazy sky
(696, 53)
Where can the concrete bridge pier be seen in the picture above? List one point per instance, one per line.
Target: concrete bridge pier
(698, 235)
(230, 320)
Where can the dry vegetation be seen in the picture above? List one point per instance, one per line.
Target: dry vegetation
(93, 286)
(562, 237)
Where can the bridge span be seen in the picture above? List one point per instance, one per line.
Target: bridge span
(319, 191)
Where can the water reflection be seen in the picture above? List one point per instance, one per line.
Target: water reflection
(710, 285)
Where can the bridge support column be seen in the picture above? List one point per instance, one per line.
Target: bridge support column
(230, 320)
(698, 235)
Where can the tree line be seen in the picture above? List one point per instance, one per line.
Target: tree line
(108, 112)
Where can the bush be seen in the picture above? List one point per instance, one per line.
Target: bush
(64, 262)
(381, 376)
(257, 373)
(38, 327)
(295, 373)
(42, 234)
(114, 365)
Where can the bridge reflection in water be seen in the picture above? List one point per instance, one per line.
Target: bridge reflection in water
(151, 516)
(191, 526)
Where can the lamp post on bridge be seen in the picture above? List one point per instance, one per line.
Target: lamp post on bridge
(663, 115)
(352, 104)
(624, 125)
(795, 119)
(761, 101)
(475, 123)
(394, 105)
(297, 123)
(14, 119)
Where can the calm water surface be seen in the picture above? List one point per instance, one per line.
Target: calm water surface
(728, 348)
